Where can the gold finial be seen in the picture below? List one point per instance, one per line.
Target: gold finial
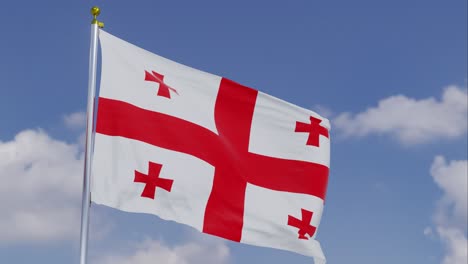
(95, 11)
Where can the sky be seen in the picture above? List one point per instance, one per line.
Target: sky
(390, 75)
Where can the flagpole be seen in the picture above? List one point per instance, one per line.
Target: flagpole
(86, 197)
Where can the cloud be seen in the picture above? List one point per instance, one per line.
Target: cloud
(452, 179)
(75, 120)
(193, 252)
(456, 244)
(412, 121)
(41, 186)
(450, 216)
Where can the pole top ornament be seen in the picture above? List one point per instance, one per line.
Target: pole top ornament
(95, 11)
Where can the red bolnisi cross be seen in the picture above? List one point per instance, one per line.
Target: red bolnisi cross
(152, 180)
(227, 151)
(304, 224)
(314, 129)
(164, 89)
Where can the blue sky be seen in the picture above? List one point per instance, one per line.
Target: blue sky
(390, 75)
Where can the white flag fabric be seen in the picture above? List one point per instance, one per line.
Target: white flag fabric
(207, 152)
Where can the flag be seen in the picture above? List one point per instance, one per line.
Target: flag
(207, 152)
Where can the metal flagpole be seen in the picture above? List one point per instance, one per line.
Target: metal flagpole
(86, 202)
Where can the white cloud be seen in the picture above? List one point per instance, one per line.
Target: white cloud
(456, 243)
(451, 212)
(452, 178)
(410, 120)
(193, 252)
(40, 188)
(75, 120)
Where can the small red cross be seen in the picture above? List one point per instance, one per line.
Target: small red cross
(303, 225)
(163, 87)
(314, 129)
(152, 180)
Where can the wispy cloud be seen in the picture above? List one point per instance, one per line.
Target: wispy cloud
(412, 121)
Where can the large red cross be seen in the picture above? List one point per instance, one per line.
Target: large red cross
(304, 225)
(314, 129)
(226, 150)
(164, 89)
(152, 180)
